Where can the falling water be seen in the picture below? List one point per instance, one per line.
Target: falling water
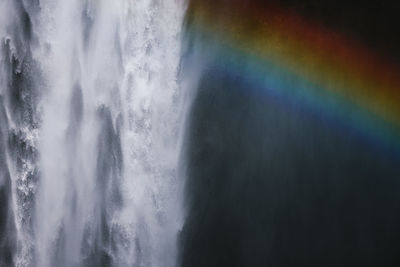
(90, 112)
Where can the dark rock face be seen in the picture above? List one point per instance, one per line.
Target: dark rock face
(271, 185)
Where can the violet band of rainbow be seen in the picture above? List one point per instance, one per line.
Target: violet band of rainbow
(302, 63)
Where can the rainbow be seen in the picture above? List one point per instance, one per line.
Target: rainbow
(300, 62)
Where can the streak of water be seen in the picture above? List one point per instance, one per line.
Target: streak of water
(91, 115)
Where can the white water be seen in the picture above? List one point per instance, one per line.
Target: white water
(100, 184)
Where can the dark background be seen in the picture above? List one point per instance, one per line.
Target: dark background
(271, 186)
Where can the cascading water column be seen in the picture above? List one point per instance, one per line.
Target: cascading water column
(101, 173)
(19, 129)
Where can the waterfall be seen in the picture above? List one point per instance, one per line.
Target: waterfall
(91, 114)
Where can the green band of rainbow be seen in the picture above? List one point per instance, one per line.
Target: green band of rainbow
(305, 63)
